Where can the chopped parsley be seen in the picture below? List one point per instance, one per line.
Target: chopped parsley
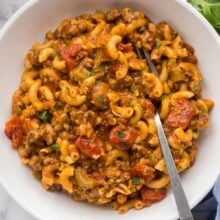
(158, 43)
(136, 181)
(101, 99)
(56, 106)
(120, 134)
(45, 116)
(55, 147)
(58, 53)
(196, 88)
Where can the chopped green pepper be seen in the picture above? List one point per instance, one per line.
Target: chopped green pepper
(177, 76)
(133, 88)
(74, 78)
(164, 97)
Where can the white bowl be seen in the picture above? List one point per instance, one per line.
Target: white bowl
(29, 25)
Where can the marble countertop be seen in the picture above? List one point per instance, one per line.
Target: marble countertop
(9, 209)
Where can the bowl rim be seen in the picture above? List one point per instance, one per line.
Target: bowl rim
(30, 4)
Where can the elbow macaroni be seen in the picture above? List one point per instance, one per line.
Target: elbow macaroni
(112, 46)
(65, 181)
(69, 94)
(45, 54)
(123, 69)
(33, 95)
(116, 154)
(155, 85)
(134, 203)
(143, 130)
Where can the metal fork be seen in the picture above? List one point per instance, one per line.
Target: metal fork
(179, 195)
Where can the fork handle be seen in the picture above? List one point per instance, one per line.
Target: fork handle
(179, 195)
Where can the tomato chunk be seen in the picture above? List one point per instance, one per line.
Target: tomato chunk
(27, 125)
(69, 55)
(125, 47)
(14, 131)
(70, 62)
(139, 170)
(99, 95)
(143, 171)
(181, 114)
(123, 139)
(90, 147)
(74, 49)
(149, 108)
(99, 177)
(115, 67)
(150, 196)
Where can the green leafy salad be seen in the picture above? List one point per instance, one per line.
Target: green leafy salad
(210, 9)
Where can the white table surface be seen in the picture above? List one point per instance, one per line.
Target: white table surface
(9, 210)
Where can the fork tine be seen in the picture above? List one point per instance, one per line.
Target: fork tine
(147, 57)
(138, 52)
(150, 63)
